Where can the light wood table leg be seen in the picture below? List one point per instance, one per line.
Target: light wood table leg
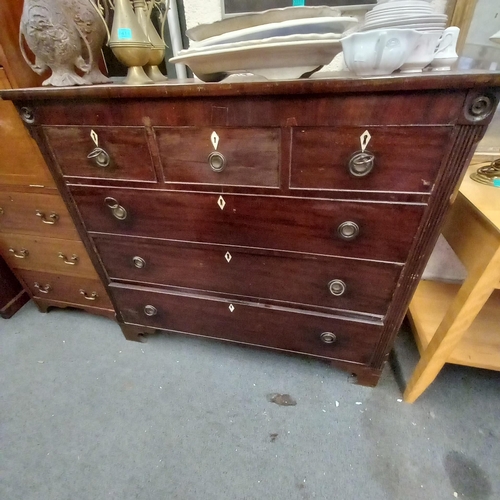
(469, 301)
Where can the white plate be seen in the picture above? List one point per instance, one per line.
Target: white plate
(404, 3)
(411, 19)
(421, 27)
(406, 12)
(275, 58)
(398, 22)
(202, 31)
(318, 25)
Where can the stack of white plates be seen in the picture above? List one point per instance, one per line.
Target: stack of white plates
(404, 14)
(276, 44)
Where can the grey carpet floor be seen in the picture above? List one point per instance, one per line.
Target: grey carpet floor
(88, 415)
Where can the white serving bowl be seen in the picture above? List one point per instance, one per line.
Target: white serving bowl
(378, 52)
(423, 53)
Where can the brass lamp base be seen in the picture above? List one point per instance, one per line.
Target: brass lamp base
(155, 74)
(488, 174)
(137, 76)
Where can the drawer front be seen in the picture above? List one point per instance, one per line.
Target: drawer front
(386, 230)
(249, 324)
(125, 152)
(248, 156)
(327, 282)
(39, 214)
(53, 255)
(396, 159)
(74, 290)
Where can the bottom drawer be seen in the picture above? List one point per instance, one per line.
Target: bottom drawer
(250, 324)
(80, 291)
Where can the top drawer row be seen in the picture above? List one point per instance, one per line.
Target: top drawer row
(404, 159)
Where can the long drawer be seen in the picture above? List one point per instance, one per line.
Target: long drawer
(69, 289)
(302, 280)
(276, 328)
(394, 159)
(381, 231)
(39, 214)
(46, 254)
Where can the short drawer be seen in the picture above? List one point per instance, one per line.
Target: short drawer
(403, 159)
(46, 254)
(69, 289)
(249, 324)
(39, 214)
(302, 280)
(123, 155)
(385, 230)
(246, 156)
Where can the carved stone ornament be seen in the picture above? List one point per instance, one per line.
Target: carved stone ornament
(64, 35)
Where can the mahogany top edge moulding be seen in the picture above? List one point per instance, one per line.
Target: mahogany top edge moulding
(339, 83)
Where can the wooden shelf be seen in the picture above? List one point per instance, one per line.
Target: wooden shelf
(479, 347)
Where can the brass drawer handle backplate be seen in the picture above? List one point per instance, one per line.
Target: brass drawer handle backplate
(328, 337)
(73, 260)
(53, 217)
(42, 288)
(139, 262)
(337, 287)
(217, 161)
(117, 210)
(150, 310)
(361, 163)
(348, 230)
(22, 254)
(100, 156)
(92, 296)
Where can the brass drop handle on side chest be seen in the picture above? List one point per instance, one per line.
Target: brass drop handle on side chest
(42, 288)
(72, 261)
(86, 296)
(217, 161)
(361, 163)
(328, 337)
(337, 287)
(150, 310)
(348, 230)
(100, 156)
(52, 219)
(22, 254)
(117, 210)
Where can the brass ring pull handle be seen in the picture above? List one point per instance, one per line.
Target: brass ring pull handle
(101, 158)
(117, 210)
(42, 288)
(139, 262)
(53, 217)
(348, 230)
(361, 163)
(217, 161)
(150, 310)
(337, 287)
(86, 296)
(72, 261)
(23, 253)
(328, 337)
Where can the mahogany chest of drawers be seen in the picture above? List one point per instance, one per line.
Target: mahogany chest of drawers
(293, 215)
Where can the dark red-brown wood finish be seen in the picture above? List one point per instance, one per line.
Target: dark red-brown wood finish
(12, 294)
(294, 215)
